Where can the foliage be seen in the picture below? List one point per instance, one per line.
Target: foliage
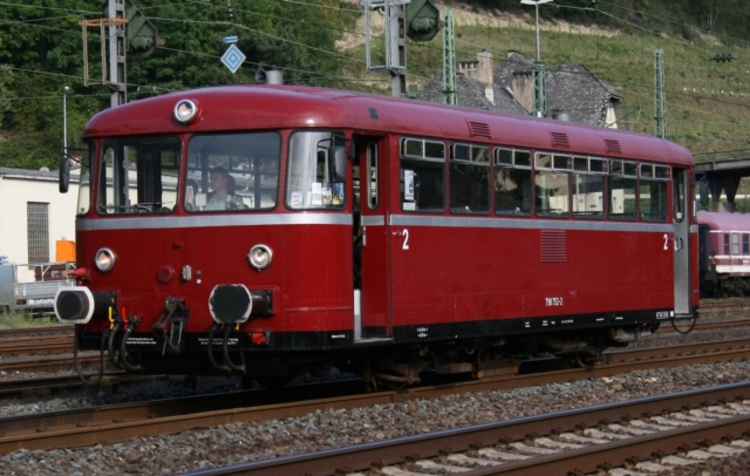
(41, 52)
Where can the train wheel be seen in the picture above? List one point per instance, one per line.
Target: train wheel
(588, 359)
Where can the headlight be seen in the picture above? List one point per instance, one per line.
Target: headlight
(185, 110)
(105, 259)
(260, 256)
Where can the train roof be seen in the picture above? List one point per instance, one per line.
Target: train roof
(234, 108)
(725, 221)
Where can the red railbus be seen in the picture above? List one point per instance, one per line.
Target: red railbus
(271, 229)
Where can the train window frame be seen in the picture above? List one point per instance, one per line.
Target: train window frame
(477, 155)
(335, 135)
(513, 164)
(586, 171)
(405, 141)
(745, 244)
(239, 205)
(121, 148)
(647, 178)
(617, 169)
(546, 163)
(409, 189)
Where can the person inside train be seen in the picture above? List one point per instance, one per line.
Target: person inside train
(222, 195)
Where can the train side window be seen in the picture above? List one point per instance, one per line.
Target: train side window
(317, 170)
(652, 195)
(745, 244)
(622, 191)
(512, 182)
(372, 175)
(552, 182)
(422, 187)
(725, 242)
(469, 176)
(734, 244)
(588, 187)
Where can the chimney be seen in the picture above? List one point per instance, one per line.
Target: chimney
(523, 89)
(274, 76)
(486, 74)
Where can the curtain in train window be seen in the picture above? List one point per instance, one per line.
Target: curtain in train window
(588, 195)
(552, 192)
(622, 193)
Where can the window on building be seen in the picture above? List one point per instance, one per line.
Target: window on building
(588, 186)
(422, 163)
(513, 190)
(623, 185)
(652, 194)
(469, 175)
(37, 231)
(552, 182)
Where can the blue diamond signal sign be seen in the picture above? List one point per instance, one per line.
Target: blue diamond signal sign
(233, 58)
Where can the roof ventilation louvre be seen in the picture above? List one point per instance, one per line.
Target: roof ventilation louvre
(479, 129)
(560, 140)
(613, 146)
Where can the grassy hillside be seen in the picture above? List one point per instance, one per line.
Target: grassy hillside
(707, 101)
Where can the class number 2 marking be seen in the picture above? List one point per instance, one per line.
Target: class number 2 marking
(405, 235)
(666, 242)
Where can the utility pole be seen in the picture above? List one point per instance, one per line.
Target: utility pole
(394, 12)
(449, 59)
(117, 52)
(540, 94)
(660, 109)
(66, 90)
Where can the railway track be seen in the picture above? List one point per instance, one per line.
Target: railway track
(48, 363)
(580, 441)
(109, 424)
(50, 385)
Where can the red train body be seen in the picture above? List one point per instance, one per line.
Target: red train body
(386, 234)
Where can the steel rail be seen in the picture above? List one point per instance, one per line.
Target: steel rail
(35, 331)
(48, 363)
(49, 385)
(36, 345)
(430, 445)
(119, 422)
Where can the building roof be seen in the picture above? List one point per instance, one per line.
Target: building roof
(571, 89)
(35, 175)
(470, 93)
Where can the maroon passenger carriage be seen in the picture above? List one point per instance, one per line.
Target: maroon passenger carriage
(370, 233)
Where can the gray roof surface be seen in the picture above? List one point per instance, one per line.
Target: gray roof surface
(32, 174)
(572, 89)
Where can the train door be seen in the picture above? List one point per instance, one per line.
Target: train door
(371, 292)
(681, 242)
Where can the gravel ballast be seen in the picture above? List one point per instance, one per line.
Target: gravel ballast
(338, 428)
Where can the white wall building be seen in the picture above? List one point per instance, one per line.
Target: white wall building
(34, 215)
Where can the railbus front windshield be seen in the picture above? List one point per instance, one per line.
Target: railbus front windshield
(225, 172)
(139, 175)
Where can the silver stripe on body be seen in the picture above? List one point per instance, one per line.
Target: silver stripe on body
(373, 220)
(693, 228)
(526, 224)
(210, 221)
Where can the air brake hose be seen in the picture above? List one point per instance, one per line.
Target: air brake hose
(114, 355)
(227, 358)
(124, 348)
(211, 357)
